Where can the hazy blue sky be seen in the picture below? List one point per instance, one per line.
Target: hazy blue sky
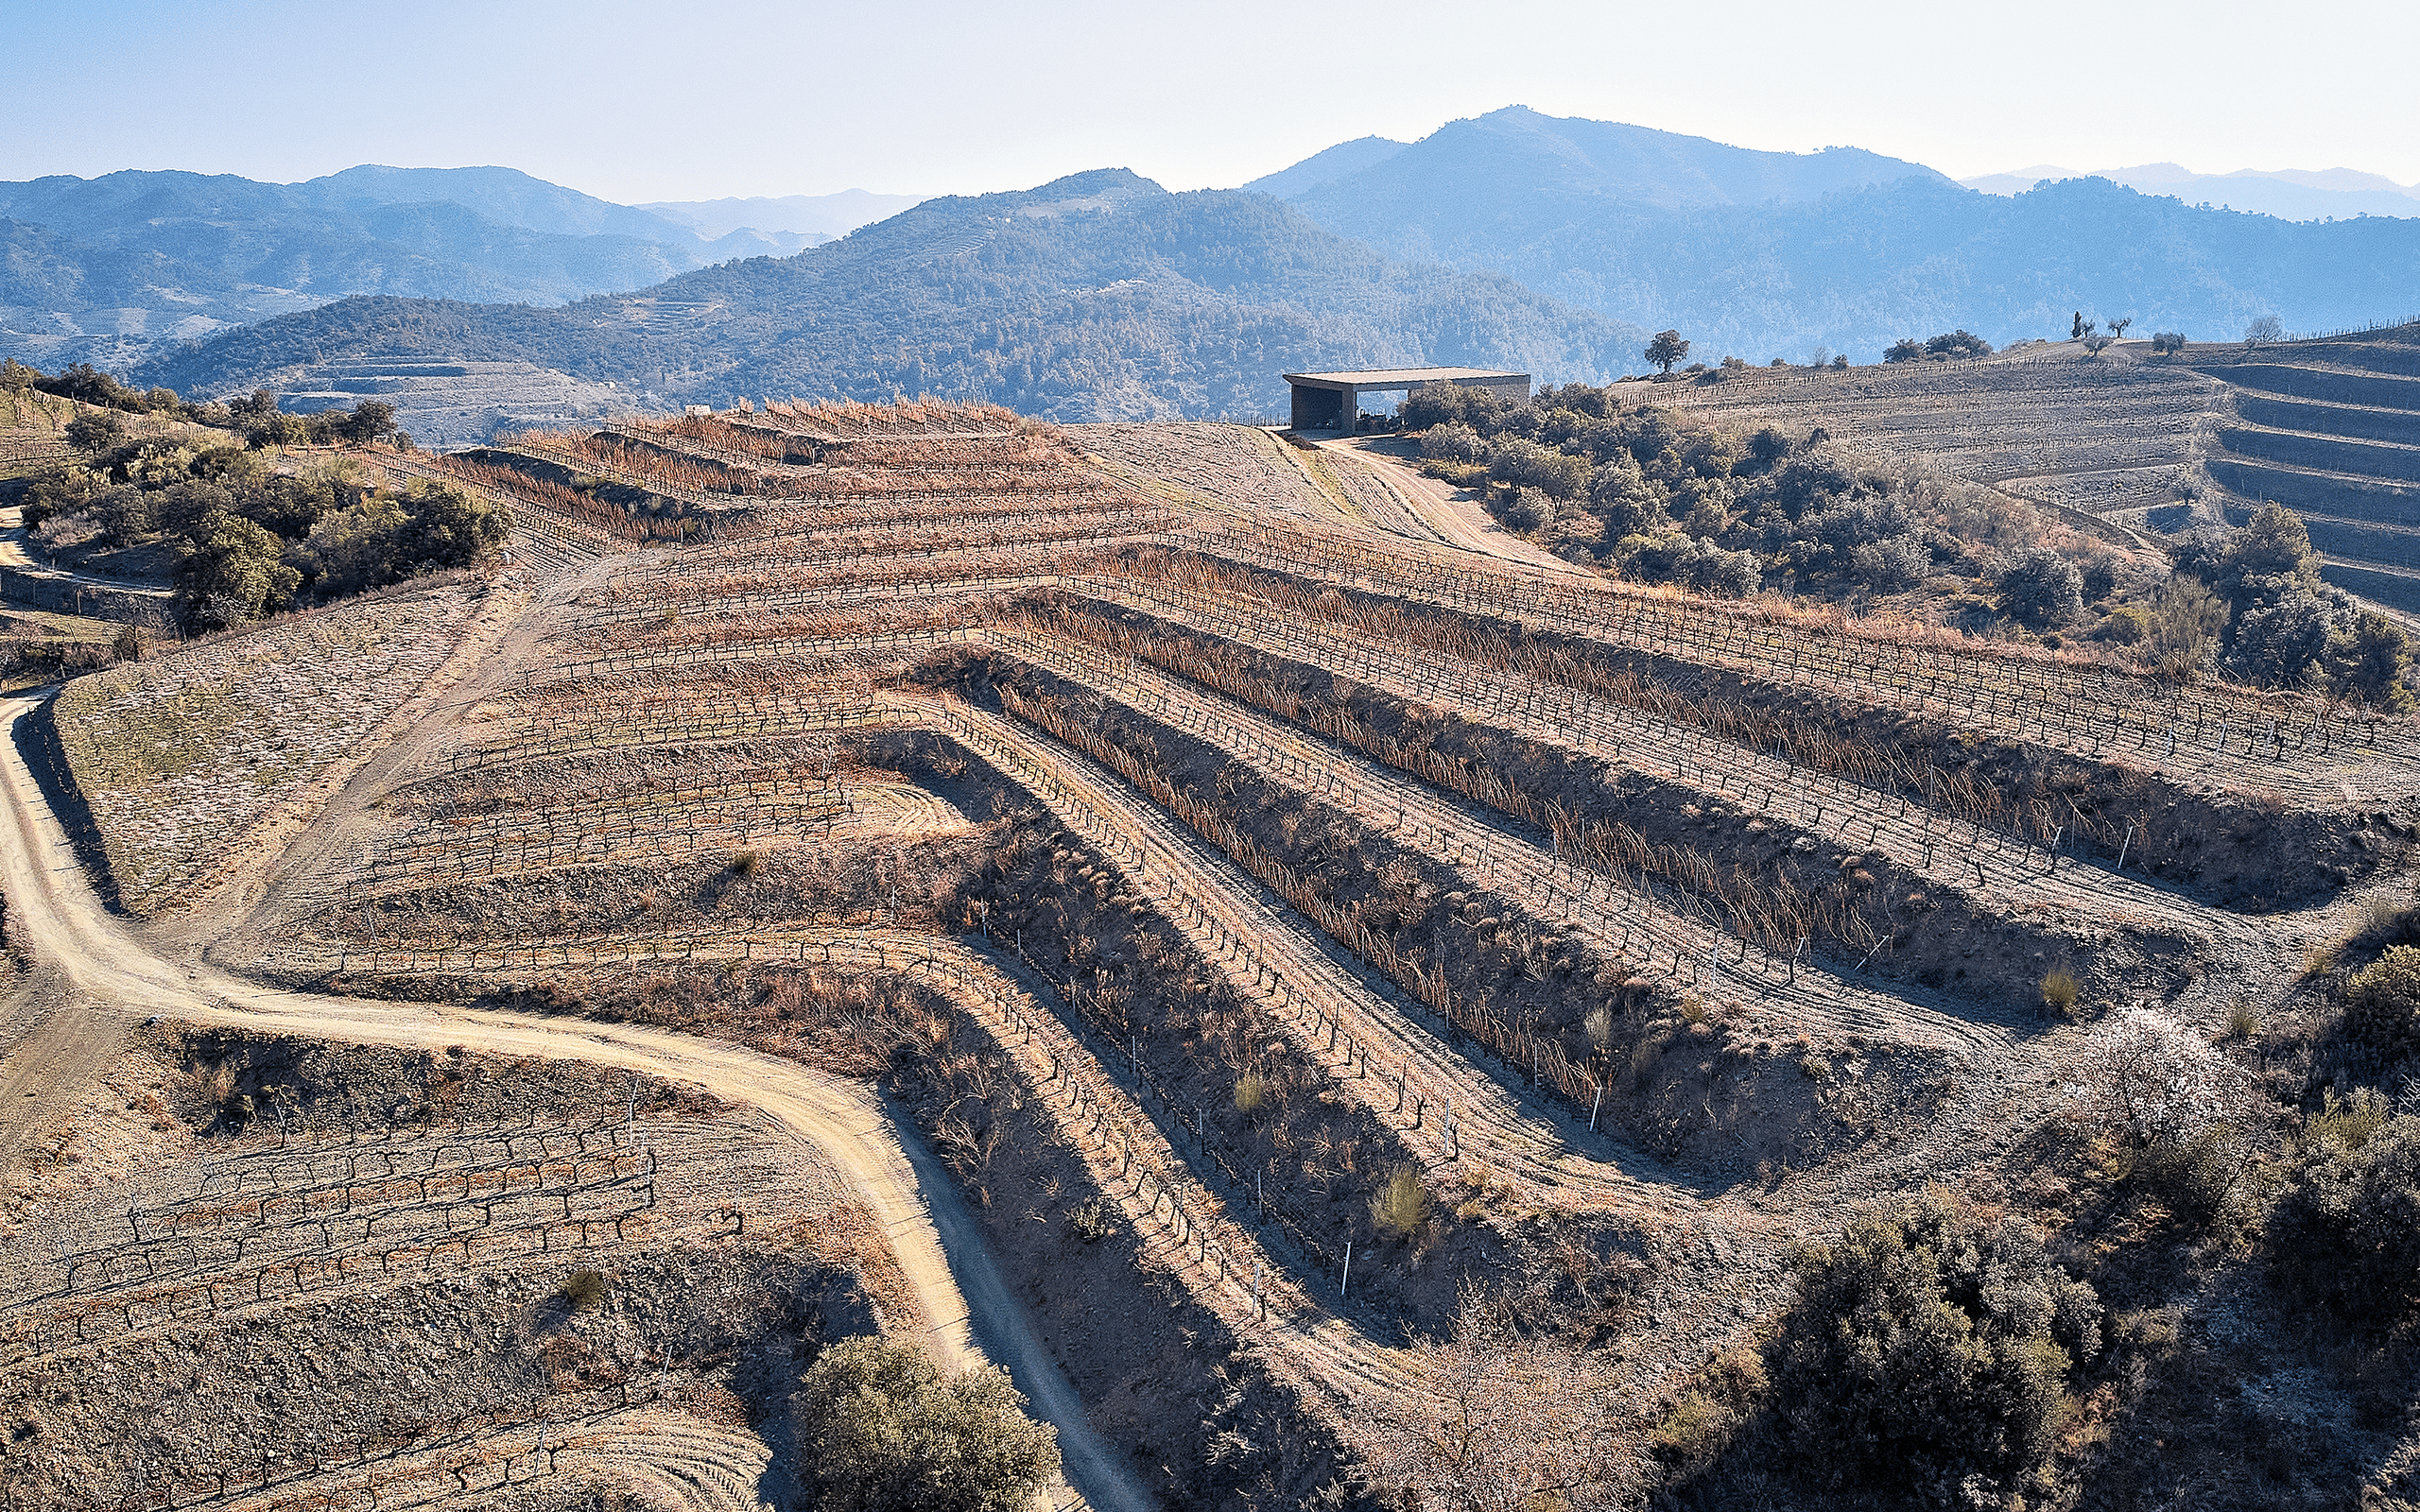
(681, 102)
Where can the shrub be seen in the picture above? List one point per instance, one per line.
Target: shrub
(2041, 587)
(2242, 1021)
(1672, 557)
(2198, 1179)
(234, 573)
(2186, 620)
(1892, 565)
(879, 1430)
(1959, 343)
(1461, 474)
(1527, 465)
(1251, 1093)
(2280, 646)
(2099, 579)
(1453, 442)
(583, 1291)
(2126, 625)
(2347, 1122)
(2345, 1233)
(94, 434)
(1500, 1419)
(1625, 499)
(1522, 509)
(1401, 1206)
(1929, 1349)
(2166, 343)
(2382, 1004)
(1905, 350)
(2371, 659)
(746, 863)
(1433, 404)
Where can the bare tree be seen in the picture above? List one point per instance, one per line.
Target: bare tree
(2266, 329)
(2117, 327)
(1500, 1423)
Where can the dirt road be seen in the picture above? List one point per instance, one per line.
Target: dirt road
(1450, 512)
(110, 975)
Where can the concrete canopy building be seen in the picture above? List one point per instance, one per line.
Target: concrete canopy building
(1332, 401)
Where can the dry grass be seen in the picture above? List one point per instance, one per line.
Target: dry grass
(2059, 991)
(2242, 1021)
(1401, 1206)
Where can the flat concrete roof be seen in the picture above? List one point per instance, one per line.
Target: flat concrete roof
(1399, 377)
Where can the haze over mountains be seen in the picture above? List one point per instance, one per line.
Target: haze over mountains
(1513, 239)
(2289, 193)
(1098, 296)
(100, 269)
(1774, 254)
(816, 217)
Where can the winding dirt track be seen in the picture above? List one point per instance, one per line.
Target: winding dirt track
(55, 915)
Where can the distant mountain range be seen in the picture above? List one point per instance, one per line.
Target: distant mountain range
(1100, 296)
(817, 217)
(2289, 193)
(1766, 254)
(1515, 238)
(102, 269)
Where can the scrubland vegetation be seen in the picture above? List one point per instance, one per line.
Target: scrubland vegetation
(1661, 496)
(241, 535)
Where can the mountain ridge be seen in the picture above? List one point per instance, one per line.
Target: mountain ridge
(102, 269)
(1099, 294)
(1851, 254)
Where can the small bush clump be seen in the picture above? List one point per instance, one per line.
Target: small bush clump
(583, 1291)
(2346, 1234)
(1930, 1349)
(2382, 1004)
(880, 1430)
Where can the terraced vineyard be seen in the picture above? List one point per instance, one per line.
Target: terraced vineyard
(2115, 437)
(2331, 429)
(2328, 427)
(1200, 862)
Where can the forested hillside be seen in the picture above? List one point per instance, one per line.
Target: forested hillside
(112, 269)
(1097, 297)
(1767, 254)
